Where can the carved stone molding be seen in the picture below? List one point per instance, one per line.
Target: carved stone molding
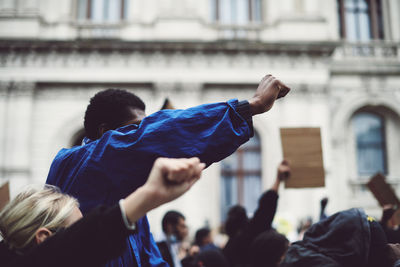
(160, 58)
(17, 88)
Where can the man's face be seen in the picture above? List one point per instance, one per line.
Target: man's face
(181, 229)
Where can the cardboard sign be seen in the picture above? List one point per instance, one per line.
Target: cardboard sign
(4, 195)
(382, 191)
(302, 148)
(385, 194)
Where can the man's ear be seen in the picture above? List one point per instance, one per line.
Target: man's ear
(102, 129)
(42, 234)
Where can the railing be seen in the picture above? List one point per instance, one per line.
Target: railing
(96, 31)
(246, 32)
(385, 50)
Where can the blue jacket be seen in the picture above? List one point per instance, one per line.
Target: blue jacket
(110, 168)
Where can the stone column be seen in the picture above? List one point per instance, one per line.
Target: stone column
(15, 152)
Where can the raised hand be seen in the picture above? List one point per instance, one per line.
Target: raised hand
(170, 178)
(267, 92)
(283, 171)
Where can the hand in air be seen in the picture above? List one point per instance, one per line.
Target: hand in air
(267, 92)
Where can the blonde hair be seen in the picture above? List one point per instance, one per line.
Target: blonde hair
(31, 210)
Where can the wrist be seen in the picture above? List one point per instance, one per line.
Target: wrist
(137, 204)
(254, 104)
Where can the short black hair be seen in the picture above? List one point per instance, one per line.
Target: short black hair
(111, 107)
(267, 249)
(200, 235)
(236, 221)
(171, 217)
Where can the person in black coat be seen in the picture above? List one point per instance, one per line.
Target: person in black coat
(346, 239)
(96, 238)
(242, 231)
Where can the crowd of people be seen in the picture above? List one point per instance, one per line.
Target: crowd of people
(92, 211)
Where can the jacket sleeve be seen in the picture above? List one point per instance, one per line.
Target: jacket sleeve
(265, 213)
(210, 132)
(98, 237)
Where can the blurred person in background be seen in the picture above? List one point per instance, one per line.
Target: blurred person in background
(242, 231)
(122, 144)
(303, 226)
(268, 249)
(322, 213)
(203, 239)
(172, 245)
(45, 227)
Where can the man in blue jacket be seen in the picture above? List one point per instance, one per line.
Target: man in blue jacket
(122, 144)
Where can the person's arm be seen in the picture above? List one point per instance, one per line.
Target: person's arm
(387, 213)
(101, 235)
(210, 131)
(268, 202)
(322, 214)
(168, 180)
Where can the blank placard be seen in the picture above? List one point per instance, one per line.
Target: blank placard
(302, 148)
(384, 193)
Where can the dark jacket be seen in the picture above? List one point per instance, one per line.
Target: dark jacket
(165, 253)
(92, 241)
(236, 250)
(345, 239)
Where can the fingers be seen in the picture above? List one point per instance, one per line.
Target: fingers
(177, 171)
(284, 170)
(283, 89)
(285, 162)
(267, 80)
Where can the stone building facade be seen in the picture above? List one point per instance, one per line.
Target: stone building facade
(340, 57)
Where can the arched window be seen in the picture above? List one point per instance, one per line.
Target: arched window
(241, 177)
(369, 129)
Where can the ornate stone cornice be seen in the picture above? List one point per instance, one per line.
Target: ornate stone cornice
(299, 48)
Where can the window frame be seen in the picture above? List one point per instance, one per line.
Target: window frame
(383, 142)
(251, 14)
(375, 16)
(89, 16)
(240, 172)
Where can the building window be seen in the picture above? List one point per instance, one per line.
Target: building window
(236, 12)
(360, 20)
(102, 11)
(369, 129)
(19, 8)
(241, 178)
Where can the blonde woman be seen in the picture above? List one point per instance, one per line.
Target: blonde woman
(46, 228)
